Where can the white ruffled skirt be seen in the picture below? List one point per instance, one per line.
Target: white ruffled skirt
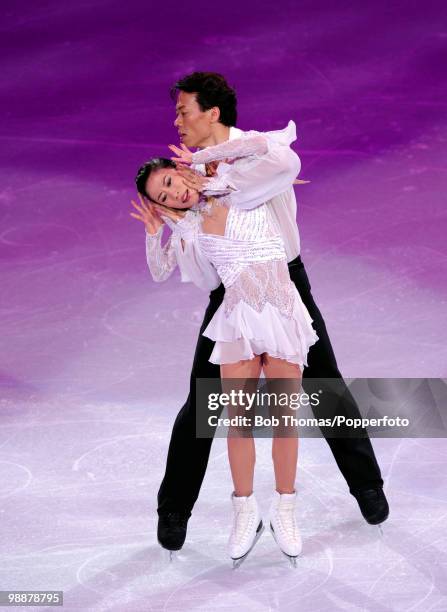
(245, 332)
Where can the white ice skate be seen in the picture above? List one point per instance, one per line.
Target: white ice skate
(284, 527)
(247, 528)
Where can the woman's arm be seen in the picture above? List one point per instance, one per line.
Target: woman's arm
(161, 260)
(256, 144)
(249, 183)
(256, 180)
(193, 265)
(270, 168)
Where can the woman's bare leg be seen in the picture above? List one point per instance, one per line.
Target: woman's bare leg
(241, 447)
(284, 449)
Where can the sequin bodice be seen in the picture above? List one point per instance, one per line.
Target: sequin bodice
(248, 238)
(250, 259)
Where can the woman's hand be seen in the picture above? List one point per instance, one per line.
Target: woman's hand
(148, 215)
(184, 154)
(192, 179)
(174, 215)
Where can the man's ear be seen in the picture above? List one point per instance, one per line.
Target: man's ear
(215, 114)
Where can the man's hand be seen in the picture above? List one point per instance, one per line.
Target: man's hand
(192, 179)
(148, 215)
(184, 154)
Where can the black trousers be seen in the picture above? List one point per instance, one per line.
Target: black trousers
(188, 456)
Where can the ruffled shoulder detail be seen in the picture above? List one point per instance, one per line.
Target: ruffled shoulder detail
(285, 136)
(187, 227)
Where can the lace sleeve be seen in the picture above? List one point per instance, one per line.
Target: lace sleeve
(247, 183)
(256, 144)
(161, 260)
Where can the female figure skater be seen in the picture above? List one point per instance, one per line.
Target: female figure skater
(262, 323)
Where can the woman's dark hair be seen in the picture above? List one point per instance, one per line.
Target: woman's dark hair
(211, 89)
(156, 163)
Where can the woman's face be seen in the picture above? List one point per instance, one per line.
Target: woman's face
(165, 186)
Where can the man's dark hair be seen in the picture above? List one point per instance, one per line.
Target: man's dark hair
(211, 89)
(156, 163)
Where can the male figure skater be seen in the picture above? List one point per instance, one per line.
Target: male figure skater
(206, 114)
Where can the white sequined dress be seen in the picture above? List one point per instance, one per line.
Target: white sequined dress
(262, 310)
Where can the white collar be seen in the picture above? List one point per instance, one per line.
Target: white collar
(234, 133)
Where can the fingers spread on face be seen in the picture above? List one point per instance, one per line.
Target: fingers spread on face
(159, 209)
(190, 184)
(145, 206)
(136, 206)
(171, 214)
(141, 199)
(191, 178)
(185, 170)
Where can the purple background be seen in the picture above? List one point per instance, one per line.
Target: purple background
(97, 356)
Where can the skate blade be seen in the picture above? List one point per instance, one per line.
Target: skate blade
(292, 559)
(170, 555)
(238, 562)
(379, 526)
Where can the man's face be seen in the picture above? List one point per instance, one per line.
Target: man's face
(193, 124)
(166, 186)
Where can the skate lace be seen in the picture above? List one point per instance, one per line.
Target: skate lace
(287, 520)
(243, 523)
